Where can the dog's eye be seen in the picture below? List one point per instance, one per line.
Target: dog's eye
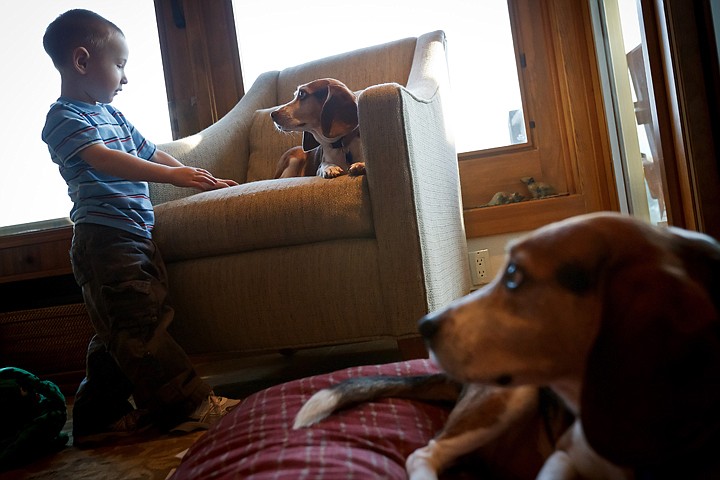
(301, 94)
(513, 276)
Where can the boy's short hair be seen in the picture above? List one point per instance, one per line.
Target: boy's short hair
(76, 28)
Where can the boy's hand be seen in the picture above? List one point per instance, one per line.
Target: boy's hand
(199, 178)
(215, 183)
(226, 182)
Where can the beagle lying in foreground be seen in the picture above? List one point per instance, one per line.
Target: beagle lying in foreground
(618, 318)
(326, 111)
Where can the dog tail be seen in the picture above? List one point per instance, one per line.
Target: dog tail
(432, 387)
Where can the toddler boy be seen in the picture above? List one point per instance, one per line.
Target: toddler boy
(106, 164)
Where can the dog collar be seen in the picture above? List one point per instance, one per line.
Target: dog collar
(344, 141)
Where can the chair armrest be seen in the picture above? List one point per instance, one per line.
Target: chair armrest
(410, 154)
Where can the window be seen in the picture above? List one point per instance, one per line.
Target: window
(482, 61)
(566, 137)
(31, 189)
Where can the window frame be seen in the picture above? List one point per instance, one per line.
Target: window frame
(568, 145)
(201, 61)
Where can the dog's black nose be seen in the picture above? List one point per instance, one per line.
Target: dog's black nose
(429, 326)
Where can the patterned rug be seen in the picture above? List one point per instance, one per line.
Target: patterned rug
(152, 456)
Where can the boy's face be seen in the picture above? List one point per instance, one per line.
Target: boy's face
(105, 70)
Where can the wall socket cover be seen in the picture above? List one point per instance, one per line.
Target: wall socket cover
(480, 266)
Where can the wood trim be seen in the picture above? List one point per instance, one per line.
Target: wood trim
(689, 71)
(662, 128)
(43, 253)
(200, 55)
(45, 235)
(585, 121)
(523, 216)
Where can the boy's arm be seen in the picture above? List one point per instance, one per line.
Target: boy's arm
(165, 158)
(123, 165)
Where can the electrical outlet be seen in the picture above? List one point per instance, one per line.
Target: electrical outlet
(480, 266)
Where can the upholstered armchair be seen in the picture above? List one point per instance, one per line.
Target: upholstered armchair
(303, 262)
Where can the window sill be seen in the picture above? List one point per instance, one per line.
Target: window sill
(34, 227)
(522, 216)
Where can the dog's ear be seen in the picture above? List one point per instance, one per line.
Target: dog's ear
(339, 114)
(309, 142)
(652, 383)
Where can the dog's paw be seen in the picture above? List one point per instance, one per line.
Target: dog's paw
(419, 465)
(320, 405)
(357, 169)
(331, 171)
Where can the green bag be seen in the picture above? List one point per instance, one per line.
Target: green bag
(34, 415)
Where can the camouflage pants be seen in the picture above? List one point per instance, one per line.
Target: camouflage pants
(124, 285)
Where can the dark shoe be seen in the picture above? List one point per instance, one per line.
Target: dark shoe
(129, 425)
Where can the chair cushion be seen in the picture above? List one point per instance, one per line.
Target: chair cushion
(263, 215)
(372, 440)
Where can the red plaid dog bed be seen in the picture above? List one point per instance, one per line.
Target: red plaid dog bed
(370, 441)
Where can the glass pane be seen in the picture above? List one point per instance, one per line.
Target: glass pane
(31, 189)
(487, 106)
(641, 162)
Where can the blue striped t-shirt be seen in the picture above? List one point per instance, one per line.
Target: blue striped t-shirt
(72, 126)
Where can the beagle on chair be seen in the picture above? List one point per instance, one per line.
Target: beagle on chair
(326, 111)
(618, 318)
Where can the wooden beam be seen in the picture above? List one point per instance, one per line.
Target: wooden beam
(201, 61)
